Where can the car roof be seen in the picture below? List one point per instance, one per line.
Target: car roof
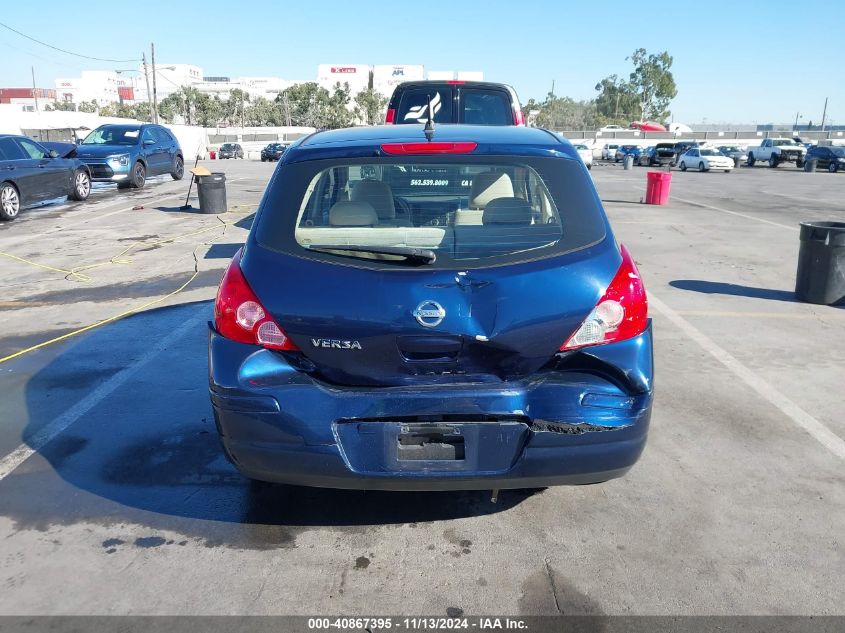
(492, 140)
(451, 82)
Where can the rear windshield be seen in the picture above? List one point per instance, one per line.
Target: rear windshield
(470, 212)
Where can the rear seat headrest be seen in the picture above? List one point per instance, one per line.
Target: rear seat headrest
(488, 186)
(377, 193)
(349, 213)
(507, 211)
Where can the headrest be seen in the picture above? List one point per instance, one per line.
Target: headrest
(348, 213)
(507, 211)
(487, 186)
(378, 194)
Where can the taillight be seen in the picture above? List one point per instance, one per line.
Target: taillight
(518, 117)
(460, 147)
(239, 315)
(390, 117)
(620, 314)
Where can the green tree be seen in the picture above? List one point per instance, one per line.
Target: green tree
(616, 103)
(305, 104)
(263, 113)
(369, 107)
(170, 107)
(142, 112)
(234, 107)
(60, 106)
(338, 114)
(646, 94)
(187, 103)
(653, 83)
(209, 110)
(88, 106)
(562, 113)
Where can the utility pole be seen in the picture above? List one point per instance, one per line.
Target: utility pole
(553, 88)
(34, 89)
(149, 94)
(795, 125)
(824, 114)
(155, 96)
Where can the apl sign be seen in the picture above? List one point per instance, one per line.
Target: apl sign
(344, 69)
(398, 72)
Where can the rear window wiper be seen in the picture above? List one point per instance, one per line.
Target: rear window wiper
(411, 254)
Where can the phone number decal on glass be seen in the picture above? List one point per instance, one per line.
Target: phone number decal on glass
(428, 182)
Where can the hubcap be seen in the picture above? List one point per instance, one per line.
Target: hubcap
(139, 173)
(9, 201)
(83, 184)
(179, 167)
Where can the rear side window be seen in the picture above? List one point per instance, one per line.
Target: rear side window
(32, 149)
(486, 107)
(162, 135)
(471, 212)
(416, 103)
(11, 150)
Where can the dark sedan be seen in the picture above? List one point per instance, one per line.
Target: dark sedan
(829, 158)
(31, 173)
(230, 150)
(272, 152)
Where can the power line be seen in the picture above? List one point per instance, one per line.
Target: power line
(61, 50)
(44, 59)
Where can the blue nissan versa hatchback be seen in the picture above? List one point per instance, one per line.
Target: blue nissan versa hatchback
(448, 314)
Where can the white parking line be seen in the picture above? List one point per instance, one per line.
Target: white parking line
(816, 429)
(48, 432)
(737, 213)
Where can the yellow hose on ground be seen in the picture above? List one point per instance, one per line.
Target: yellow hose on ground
(115, 259)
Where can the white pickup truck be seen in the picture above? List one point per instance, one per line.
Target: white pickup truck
(776, 151)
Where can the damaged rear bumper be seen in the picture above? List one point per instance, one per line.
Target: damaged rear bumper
(574, 424)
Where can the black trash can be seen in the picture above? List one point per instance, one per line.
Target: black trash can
(212, 193)
(821, 263)
(810, 165)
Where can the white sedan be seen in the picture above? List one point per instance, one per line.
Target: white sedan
(586, 155)
(705, 159)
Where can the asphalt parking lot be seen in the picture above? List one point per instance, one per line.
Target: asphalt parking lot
(115, 498)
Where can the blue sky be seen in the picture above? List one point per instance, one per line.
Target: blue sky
(725, 66)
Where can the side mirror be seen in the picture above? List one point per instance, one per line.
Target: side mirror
(53, 154)
(149, 142)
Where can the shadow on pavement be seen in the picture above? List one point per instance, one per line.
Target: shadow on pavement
(736, 290)
(148, 453)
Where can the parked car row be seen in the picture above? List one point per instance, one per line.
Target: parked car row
(699, 155)
(125, 154)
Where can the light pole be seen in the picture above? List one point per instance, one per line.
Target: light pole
(795, 125)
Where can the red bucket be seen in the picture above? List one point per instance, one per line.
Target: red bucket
(657, 189)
